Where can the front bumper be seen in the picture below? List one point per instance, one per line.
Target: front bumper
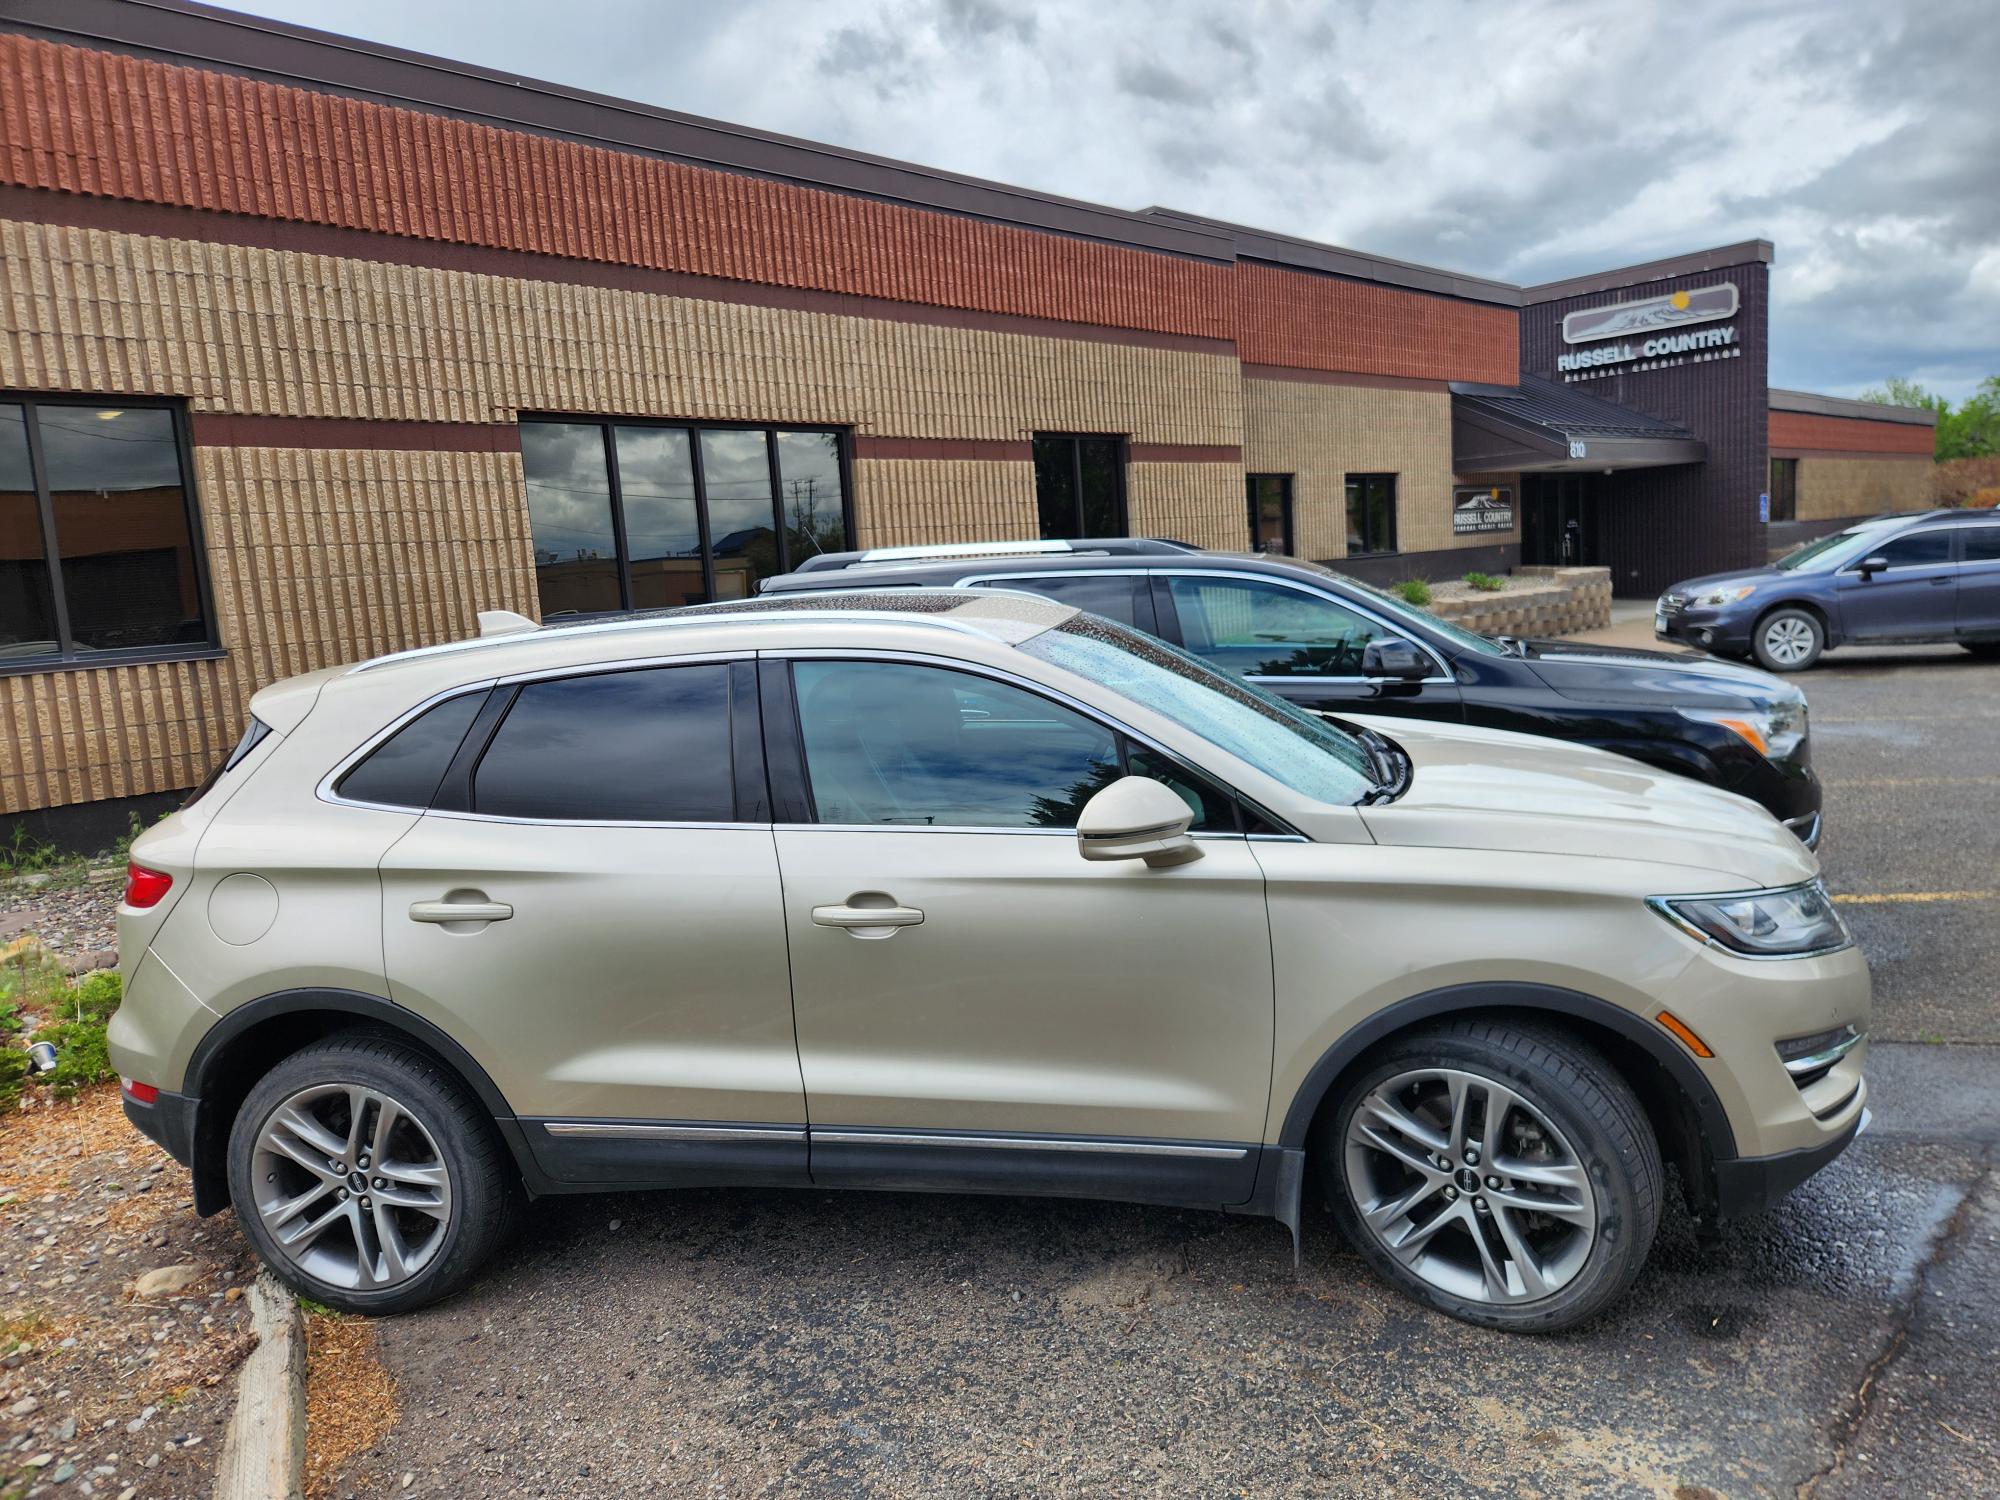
(1749, 1185)
(1704, 629)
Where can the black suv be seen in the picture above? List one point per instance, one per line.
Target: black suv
(1336, 645)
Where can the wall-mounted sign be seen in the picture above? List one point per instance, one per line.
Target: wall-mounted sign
(1668, 346)
(1487, 508)
(1701, 304)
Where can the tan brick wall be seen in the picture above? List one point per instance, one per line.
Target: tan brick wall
(1199, 503)
(901, 502)
(1831, 488)
(1321, 433)
(244, 330)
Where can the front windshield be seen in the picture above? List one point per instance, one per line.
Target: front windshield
(1814, 551)
(1287, 744)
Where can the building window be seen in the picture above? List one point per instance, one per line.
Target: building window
(1270, 511)
(1784, 489)
(647, 515)
(100, 559)
(1371, 514)
(1079, 485)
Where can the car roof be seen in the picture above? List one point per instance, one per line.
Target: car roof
(907, 571)
(1006, 617)
(1910, 517)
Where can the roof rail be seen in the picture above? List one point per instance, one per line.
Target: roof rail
(1110, 546)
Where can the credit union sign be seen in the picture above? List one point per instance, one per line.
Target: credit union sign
(1652, 331)
(1485, 508)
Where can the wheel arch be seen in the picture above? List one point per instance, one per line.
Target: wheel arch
(252, 1038)
(1682, 1106)
(1814, 607)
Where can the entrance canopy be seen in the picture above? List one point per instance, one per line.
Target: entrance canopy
(1542, 427)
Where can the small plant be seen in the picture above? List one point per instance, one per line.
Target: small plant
(1486, 583)
(13, 1074)
(1413, 591)
(83, 1054)
(21, 853)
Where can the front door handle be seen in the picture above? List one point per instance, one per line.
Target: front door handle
(449, 912)
(868, 914)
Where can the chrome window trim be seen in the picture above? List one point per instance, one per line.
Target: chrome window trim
(1110, 1147)
(1026, 684)
(612, 1130)
(1296, 585)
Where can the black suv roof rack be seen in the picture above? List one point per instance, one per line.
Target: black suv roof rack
(1109, 546)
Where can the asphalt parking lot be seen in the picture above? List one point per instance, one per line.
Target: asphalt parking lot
(759, 1342)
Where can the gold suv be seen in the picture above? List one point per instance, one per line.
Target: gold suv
(966, 892)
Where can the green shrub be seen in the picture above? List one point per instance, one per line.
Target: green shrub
(1413, 591)
(95, 997)
(13, 1073)
(1485, 582)
(83, 1057)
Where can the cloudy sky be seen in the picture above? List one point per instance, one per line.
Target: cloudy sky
(1521, 139)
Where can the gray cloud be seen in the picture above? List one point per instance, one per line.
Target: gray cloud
(1524, 139)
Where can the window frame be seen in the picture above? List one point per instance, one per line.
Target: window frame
(791, 781)
(1348, 481)
(1076, 440)
(1250, 497)
(608, 426)
(1965, 557)
(1953, 552)
(68, 657)
(1168, 613)
(452, 799)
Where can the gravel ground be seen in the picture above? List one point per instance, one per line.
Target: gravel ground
(75, 919)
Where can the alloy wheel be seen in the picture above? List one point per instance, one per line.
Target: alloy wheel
(1470, 1186)
(1789, 640)
(351, 1187)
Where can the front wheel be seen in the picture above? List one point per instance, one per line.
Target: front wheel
(366, 1177)
(1788, 640)
(1501, 1173)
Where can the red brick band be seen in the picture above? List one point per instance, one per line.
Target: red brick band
(213, 430)
(1797, 431)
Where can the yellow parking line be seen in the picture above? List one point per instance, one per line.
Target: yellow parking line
(1885, 898)
(1848, 781)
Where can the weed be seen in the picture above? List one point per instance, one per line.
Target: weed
(1412, 591)
(21, 853)
(1485, 582)
(306, 1304)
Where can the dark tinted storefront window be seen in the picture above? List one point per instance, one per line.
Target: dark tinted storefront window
(102, 492)
(1080, 486)
(1270, 511)
(1784, 489)
(650, 515)
(1371, 514)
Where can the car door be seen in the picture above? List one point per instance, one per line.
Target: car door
(976, 1003)
(1295, 640)
(1913, 598)
(1978, 593)
(591, 907)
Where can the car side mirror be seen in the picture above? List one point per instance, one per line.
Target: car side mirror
(1873, 565)
(1397, 660)
(1137, 817)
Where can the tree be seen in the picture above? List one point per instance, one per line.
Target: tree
(1969, 430)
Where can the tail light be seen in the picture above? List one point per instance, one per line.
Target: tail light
(144, 887)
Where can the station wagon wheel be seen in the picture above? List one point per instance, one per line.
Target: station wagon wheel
(1501, 1171)
(1788, 640)
(1470, 1186)
(351, 1186)
(367, 1176)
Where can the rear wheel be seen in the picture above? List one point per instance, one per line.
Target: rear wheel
(1788, 640)
(366, 1176)
(1499, 1172)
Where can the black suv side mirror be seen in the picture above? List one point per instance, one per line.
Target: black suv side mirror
(1873, 565)
(1397, 660)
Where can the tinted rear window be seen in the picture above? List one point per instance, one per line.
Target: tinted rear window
(405, 769)
(649, 746)
(1114, 598)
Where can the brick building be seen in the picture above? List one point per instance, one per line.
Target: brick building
(310, 349)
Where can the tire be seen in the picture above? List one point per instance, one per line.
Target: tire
(1788, 640)
(441, 1198)
(1564, 1113)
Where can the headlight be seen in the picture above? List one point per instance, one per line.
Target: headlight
(1715, 597)
(1795, 922)
(1775, 732)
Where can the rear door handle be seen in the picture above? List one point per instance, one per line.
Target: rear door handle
(460, 911)
(868, 921)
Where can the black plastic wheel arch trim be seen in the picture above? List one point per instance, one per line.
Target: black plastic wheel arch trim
(1460, 999)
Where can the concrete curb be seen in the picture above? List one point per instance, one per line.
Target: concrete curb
(264, 1451)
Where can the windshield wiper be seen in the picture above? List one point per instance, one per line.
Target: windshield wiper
(1386, 766)
(1513, 645)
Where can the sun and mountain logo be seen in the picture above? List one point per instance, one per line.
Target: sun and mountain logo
(1705, 304)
